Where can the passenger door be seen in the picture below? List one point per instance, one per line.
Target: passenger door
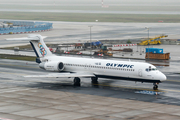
(140, 72)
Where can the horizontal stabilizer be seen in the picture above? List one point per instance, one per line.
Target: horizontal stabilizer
(24, 38)
(29, 38)
(37, 43)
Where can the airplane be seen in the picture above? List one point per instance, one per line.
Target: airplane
(74, 67)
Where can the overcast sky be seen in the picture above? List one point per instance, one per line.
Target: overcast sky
(94, 1)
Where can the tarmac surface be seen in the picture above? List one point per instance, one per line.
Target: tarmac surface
(68, 32)
(57, 98)
(95, 11)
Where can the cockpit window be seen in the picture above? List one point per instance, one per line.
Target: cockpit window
(151, 69)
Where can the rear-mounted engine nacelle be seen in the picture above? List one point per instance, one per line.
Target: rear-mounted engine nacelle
(52, 66)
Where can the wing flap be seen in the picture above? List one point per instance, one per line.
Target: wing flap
(63, 75)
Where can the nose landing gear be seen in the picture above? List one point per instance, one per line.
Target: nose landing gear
(155, 87)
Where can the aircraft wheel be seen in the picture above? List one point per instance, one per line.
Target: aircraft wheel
(77, 81)
(155, 87)
(94, 80)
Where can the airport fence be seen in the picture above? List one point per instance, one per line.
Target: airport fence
(19, 27)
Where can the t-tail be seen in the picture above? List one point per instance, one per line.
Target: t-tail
(37, 43)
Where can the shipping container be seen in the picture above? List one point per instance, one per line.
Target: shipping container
(154, 50)
(164, 56)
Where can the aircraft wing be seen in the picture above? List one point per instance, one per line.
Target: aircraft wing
(63, 75)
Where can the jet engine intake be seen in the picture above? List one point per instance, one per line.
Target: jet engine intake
(61, 66)
(52, 66)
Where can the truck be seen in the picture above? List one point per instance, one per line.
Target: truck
(104, 51)
(96, 44)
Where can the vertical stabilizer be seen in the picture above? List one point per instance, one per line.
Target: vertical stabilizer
(39, 46)
(37, 43)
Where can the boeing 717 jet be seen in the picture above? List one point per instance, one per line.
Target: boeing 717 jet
(75, 67)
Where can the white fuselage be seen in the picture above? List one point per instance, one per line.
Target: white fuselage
(136, 71)
(90, 67)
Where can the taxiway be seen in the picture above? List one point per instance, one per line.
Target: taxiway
(56, 98)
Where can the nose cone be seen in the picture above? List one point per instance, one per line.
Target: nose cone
(162, 77)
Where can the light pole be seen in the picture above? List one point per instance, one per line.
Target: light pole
(148, 40)
(90, 40)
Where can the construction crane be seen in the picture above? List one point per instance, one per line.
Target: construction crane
(152, 41)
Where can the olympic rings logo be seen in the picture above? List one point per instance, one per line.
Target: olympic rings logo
(42, 49)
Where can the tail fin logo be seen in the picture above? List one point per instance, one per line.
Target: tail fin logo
(42, 49)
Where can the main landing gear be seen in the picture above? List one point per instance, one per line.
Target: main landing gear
(94, 80)
(77, 81)
(155, 87)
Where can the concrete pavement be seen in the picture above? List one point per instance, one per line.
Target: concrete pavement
(19, 103)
